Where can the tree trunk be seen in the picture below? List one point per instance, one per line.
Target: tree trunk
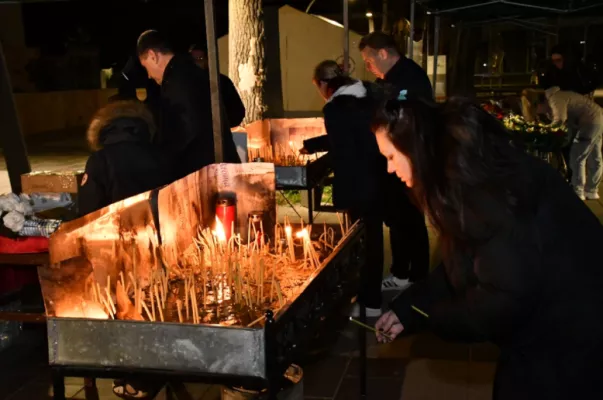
(246, 62)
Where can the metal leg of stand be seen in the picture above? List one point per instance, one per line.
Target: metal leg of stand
(273, 389)
(362, 345)
(90, 389)
(58, 385)
(310, 206)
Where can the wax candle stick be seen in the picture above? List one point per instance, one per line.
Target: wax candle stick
(370, 328)
(146, 309)
(179, 306)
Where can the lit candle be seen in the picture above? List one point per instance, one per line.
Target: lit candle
(220, 234)
(289, 234)
(303, 234)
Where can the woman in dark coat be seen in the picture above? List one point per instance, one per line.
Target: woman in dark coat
(522, 264)
(124, 162)
(359, 169)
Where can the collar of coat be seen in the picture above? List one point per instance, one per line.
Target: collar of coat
(119, 122)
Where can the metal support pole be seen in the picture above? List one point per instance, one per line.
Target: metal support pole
(585, 40)
(11, 136)
(412, 30)
(362, 349)
(346, 36)
(427, 40)
(214, 80)
(436, 45)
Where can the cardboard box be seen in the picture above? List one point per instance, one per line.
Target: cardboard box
(51, 182)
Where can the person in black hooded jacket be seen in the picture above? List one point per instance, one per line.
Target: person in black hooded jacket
(124, 162)
(359, 170)
(521, 252)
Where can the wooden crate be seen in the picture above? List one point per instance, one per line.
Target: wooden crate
(51, 182)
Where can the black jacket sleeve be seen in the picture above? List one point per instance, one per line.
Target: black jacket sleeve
(317, 144)
(506, 270)
(94, 193)
(187, 117)
(235, 109)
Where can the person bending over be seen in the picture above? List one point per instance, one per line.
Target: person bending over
(522, 266)
(359, 170)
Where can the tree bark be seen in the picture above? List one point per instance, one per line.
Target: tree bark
(246, 58)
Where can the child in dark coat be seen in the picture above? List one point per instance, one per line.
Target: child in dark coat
(124, 162)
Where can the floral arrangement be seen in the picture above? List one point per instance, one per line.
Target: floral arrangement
(17, 212)
(537, 136)
(517, 124)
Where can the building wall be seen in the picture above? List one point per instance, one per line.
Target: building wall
(305, 41)
(59, 111)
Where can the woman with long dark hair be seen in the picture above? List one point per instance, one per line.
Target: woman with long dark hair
(522, 265)
(359, 169)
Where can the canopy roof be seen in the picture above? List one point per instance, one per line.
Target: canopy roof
(472, 10)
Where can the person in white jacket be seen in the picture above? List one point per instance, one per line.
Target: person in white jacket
(585, 117)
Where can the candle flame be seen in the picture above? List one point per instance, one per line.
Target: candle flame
(302, 234)
(219, 231)
(288, 230)
(89, 310)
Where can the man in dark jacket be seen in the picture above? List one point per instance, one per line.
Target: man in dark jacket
(185, 133)
(408, 233)
(234, 107)
(124, 163)
(568, 74)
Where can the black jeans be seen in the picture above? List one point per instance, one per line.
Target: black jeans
(371, 273)
(410, 244)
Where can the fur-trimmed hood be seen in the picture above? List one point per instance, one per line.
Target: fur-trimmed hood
(121, 121)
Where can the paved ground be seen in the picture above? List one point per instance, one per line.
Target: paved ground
(416, 368)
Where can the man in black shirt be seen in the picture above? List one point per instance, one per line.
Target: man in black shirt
(383, 60)
(185, 128)
(408, 232)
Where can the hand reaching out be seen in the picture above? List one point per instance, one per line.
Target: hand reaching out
(389, 325)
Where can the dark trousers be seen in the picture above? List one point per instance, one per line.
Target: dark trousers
(409, 242)
(371, 273)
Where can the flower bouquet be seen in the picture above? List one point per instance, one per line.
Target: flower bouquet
(537, 135)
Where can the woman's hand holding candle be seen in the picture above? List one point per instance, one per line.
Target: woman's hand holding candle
(388, 327)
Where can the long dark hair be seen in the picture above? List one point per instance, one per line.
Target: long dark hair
(332, 74)
(457, 150)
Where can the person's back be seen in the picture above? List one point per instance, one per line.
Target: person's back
(573, 107)
(186, 105)
(233, 105)
(124, 163)
(560, 238)
(359, 167)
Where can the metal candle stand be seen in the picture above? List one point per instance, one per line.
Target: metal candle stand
(254, 358)
(307, 178)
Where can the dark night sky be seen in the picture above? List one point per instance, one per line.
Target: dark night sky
(114, 25)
